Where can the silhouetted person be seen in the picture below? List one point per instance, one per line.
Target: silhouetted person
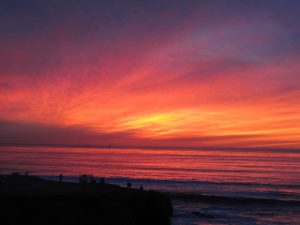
(15, 174)
(141, 187)
(102, 180)
(83, 179)
(26, 174)
(128, 185)
(60, 177)
(92, 179)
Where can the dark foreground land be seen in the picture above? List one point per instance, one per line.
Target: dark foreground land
(31, 200)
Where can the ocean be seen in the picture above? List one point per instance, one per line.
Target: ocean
(206, 186)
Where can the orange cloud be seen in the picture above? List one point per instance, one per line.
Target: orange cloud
(190, 81)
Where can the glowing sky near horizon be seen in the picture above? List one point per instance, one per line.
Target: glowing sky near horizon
(150, 73)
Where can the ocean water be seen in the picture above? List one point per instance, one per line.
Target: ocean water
(206, 186)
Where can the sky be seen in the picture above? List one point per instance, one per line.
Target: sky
(171, 73)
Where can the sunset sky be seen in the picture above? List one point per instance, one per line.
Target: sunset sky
(200, 74)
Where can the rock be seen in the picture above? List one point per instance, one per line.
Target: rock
(30, 200)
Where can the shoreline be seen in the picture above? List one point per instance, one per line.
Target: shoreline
(32, 200)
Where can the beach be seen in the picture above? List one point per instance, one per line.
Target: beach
(200, 195)
(32, 200)
(149, 112)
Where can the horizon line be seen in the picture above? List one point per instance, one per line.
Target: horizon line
(146, 147)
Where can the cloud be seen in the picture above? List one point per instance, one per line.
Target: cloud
(83, 69)
(25, 133)
(38, 133)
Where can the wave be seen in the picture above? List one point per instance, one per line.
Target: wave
(217, 183)
(207, 191)
(225, 200)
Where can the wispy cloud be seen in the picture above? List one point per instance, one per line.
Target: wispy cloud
(178, 72)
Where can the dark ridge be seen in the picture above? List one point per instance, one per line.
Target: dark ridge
(31, 200)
